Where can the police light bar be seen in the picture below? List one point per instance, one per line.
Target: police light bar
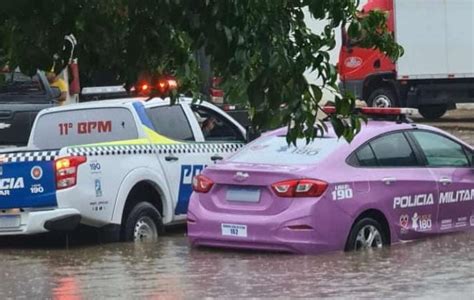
(376, 111)
(97, 90)
(161, 87)
(166, 85)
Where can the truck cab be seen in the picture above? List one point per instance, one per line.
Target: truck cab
(21, 98)
(437, 68)
(366, 73)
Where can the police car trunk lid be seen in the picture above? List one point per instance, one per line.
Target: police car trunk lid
(246, 188)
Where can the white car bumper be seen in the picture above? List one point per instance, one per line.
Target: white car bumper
(32, 222)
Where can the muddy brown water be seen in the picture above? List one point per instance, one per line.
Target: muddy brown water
(438, 268)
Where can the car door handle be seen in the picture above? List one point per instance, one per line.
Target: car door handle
(445, 180)
(216, 157)
(389, 180)
(171, 158)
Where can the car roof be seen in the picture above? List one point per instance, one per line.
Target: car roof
(372, 127)
(115, 102)
(375, 128)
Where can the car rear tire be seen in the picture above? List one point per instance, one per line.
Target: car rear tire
(365, 234)
(383, 97)
(432, 112)
(143, 223)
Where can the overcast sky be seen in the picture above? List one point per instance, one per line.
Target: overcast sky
(317, 27)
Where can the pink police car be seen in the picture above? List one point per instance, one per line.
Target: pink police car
(395, 181)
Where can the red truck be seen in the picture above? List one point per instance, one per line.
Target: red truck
(437, 69)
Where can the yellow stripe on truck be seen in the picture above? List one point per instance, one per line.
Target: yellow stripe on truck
(156, 138)
(153, 138)
(124, 142)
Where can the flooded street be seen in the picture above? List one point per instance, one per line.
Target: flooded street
(440, 267)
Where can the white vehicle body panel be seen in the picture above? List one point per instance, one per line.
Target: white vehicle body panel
(438, 38)
(113, 169)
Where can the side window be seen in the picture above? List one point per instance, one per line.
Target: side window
(393, 150)
(366, 157)
(215, 127)
(171, 122)
(441, 151)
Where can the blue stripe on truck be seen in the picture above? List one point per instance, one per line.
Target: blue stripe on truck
(140, 109)
(27, 185)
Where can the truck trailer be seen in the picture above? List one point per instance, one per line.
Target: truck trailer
(437, 68)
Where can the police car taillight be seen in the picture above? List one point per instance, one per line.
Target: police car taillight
(217, 96)
(300, 188)
(202, 184)
(66, 171)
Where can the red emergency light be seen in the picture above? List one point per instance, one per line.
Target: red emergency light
(376, 111)
(163, 86)
(144, 87)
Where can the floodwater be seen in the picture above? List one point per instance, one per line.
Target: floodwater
(440, 267)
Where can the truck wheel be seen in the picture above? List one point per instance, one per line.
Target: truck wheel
(432, 112)
(366, 233)
(382, 97)
(143, 223)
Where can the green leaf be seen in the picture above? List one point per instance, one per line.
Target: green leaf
(228, 34)
(260, 49)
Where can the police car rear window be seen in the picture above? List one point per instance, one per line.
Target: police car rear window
(275, 150)
(84, 126)
(171, 122)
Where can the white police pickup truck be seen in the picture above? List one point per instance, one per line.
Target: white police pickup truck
(124, 166)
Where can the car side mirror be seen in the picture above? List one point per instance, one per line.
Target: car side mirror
(55, 92)
(252, 133)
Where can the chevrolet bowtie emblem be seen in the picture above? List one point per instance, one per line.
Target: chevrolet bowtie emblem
(241, 176)
(5, 125)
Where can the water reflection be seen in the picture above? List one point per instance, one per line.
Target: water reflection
(442, 266)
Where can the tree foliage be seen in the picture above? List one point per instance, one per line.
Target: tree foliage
(260, 48)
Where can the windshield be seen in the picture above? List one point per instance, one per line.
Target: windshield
(274, 150)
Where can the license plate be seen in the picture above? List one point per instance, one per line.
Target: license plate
(243, 194)
(9, 221)
(234, 230)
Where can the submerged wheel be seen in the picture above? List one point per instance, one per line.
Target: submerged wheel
(143, 223)
(432, 112)
(382, 97)
(366, 233)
